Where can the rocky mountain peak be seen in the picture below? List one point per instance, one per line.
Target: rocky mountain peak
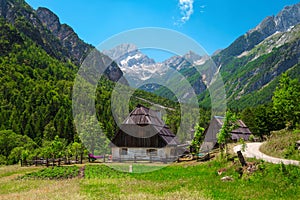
(180, 62)
(266, 27)
(44, 28)
(8, 9)
(77, 48)
(289, 16)
(283, 21)
(49, 19)
(192, 57)
(128, 55)
(119, 51)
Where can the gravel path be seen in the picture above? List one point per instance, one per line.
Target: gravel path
(252, 151)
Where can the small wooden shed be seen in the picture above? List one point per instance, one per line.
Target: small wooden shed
(144, 136)
(210, 140)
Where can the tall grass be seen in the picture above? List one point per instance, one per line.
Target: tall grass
(12, 187)
(177, 181)
(281, 144)
(194, 182)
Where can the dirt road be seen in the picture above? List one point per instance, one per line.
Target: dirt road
(252, 151)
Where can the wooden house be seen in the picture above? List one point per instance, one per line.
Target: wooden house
(144, 136)
(210, 140)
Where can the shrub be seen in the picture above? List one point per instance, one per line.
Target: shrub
(2, 160)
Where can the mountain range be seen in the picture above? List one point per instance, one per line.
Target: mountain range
(40, 57)
(138, 67)
(250, 66)
(44, 27)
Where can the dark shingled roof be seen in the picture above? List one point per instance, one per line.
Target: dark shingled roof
(144, 128)
(210, 140)
(241, 126)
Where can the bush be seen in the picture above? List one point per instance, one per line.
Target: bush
(2, 160)
(251, 138)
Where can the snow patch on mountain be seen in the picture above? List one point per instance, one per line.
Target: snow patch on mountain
(139, 67)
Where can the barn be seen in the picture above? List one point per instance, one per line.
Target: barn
(210, 140)
(144, 136)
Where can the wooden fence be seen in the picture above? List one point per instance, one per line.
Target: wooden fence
(150, 159)
(50, 161)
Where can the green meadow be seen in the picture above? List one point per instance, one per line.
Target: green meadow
(191, 180)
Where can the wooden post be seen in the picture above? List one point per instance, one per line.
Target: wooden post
(47, 162)
(66, 160)
(104, 158)
(81, 158)
(241, 158)
(135, 158)
(150, 158)
(35, 161)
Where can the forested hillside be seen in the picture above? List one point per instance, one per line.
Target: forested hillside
(36, 88)
(252, 65)
(36, 97)
(38, 66)
(251, 78)
(36, 94)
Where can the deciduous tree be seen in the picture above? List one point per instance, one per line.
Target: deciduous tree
(286, 100)
(198, 138)
(224, 134)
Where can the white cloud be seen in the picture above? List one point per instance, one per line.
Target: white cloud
(186, 10)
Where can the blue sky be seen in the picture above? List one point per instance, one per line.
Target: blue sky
(214, 24)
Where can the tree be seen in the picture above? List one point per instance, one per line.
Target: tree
(93, 139)
(76, 149)
(24, 156)
(10, 140)
(262, 120)
(54, 149)
(15, 155)
(57, 146)
(50, 131)
(224, 134)
(286, 100)
(12, 145)
(198, 138)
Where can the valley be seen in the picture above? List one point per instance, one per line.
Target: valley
(54, 106)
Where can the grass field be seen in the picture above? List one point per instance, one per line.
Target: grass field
(177, 181)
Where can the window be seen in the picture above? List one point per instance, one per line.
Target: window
(152, 152)
(124, 151)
